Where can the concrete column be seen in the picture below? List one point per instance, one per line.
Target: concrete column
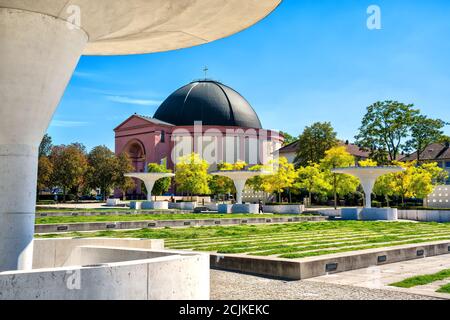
(149, 184)
(368, 183)
(240, 185)
(38, 54)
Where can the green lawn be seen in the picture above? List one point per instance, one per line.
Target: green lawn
(294, 240)
(423, 279)
(444, 289)
(145, 217)
(55, 209)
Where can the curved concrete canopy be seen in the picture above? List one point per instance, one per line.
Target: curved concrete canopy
(149, 175)
(239, 178)
(239, 174)
(149, 179)
(368, 171)
(41, 43)
(368, 176)
(118, 27)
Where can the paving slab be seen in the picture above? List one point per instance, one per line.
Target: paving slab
(379, 277)
(235, 286)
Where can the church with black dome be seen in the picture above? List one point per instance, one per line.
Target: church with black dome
(205, 117)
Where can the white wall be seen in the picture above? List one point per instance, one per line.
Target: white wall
(112, 273)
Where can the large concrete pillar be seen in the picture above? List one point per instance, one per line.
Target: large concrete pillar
(368, 183)
(38, 54)
(240, 185)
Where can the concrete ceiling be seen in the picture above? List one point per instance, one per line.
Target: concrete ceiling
(117, 27)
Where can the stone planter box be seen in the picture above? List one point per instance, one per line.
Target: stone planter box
(108, 269)
(135, 205)
(183, 205)
(245, 208)
(332, 213)
(155, 205)
(369, 214)
(285, 209)
(112, 202)
(425, 215)
(212, 206)
(225, 208)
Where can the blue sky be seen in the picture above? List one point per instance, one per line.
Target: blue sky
(309, 61)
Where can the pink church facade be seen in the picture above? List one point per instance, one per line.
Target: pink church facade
(205, 117)
(147, 140)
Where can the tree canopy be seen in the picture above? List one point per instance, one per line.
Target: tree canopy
(283, 176)
(314, 142)
(45, 172)
(417, 181)
(69, 167)
(341, 184)
(424, 131)
(191, 175)
(313, 179)
(124, 165)
(288, 139)
(46, 146)
(385, 127)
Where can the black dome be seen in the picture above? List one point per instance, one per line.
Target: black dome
(208, 101)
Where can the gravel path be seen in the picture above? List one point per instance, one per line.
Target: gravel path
(234, 286)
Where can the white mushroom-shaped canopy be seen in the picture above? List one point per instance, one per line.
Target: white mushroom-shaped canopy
(239, 174)
(239, 178)
(119, 27)
(368, 176)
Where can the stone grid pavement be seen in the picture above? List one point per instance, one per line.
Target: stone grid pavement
(380, 277)
(234, 286)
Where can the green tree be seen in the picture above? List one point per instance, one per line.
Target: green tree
(424, 131)
(414, 182)
(123, 165)
(385, 127)
(46, 146)
(256, 183)
(438, 174)
(444, 139)
(314, 142)
(312, 179)
(384, 187)
(283, 176)
(288, 139)
(191, 175)
(162, 185)
(69, 167)
(341, 184)
(102, 169)
(45, 171)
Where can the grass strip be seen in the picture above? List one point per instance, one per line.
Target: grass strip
(444, 289)
(423, 279)
(324, 252)
(144, 217)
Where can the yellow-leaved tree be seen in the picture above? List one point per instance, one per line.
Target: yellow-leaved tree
(191, 175)
(368, 163)
(416, 181)
(312, 178)
(283, 176)
(341, 184)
